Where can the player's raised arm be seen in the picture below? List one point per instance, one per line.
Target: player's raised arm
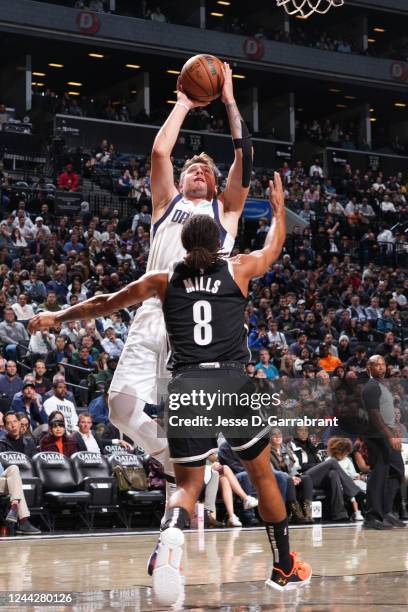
(258, 262)
(149, 285)
(162, 175)
(239, 176)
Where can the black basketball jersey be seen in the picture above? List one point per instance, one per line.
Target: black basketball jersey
(204, 316)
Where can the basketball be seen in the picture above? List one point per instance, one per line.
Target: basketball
(202, 78)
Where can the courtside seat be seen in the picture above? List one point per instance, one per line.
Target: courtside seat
(61, 494)
(138, 503)
(32, 485)
(92, 474)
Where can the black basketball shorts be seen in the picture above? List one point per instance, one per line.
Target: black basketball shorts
(201, 404)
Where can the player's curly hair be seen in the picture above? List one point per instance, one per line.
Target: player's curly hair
(200, 237)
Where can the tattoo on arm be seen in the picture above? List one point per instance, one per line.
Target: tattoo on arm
(234, 118)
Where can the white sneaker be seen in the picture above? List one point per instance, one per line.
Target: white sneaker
(234, 521)
(168, 583)
(250, 502)
(358, 516)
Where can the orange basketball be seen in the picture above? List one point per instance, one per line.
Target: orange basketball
(202, 78)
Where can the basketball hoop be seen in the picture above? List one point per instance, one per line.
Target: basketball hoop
(305, 8)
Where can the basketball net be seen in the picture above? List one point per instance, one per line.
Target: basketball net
(305, 8)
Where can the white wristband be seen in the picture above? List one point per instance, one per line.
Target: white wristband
(183, 104)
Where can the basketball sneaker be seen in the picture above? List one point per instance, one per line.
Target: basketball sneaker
(299, 575)
(168, 585)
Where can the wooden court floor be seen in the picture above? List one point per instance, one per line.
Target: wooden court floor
(354, 570)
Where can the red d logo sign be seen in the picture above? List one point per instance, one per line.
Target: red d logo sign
(254, 48)
(399, 71)
(88, 23)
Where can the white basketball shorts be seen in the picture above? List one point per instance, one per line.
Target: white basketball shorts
(144, 357)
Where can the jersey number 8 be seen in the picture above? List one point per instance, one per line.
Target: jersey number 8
(202, 316)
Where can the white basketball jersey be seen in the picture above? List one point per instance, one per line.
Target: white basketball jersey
(165, 234)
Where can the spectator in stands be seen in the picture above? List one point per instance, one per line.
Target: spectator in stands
(258, 338)
(99, 409)
(59, 402)
(157, 15)
(112, 345)
(340, 449)
(229, 485)
(58, 440)
(19, 242)
(61, 354)
(327, 361)
(358, 363)
(4, 116)
(51, 303)
(41, 343)
(25, 425)
(227, 456)
(327, 475)
(299, 493)
(296, 347)
(344, 350)
(59, 378)
(34, 288)
(275, 337)
(28, 404)
(86, 441)
(3, 432)
(316, 170)
(42, 384)
(125, 183)
(10, 482)
(264, 364)
(68, 180)
(343, 46)
(23, 310)
(386, 347)
(13, 334)
(15, 440)
(96, 5)
(10, 382)
(142, 10)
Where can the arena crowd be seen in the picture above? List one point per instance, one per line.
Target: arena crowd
(337, 295)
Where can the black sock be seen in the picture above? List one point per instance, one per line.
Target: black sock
(175, 517)
(279, 540)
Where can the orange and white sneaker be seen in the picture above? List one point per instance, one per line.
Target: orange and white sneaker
(168, 583)
(299, 575)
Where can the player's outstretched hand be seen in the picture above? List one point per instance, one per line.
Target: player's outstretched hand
(182, 97)
(45, 320)
(227, 94)
(276, 194)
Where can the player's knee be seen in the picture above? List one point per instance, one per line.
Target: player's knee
(122, 407)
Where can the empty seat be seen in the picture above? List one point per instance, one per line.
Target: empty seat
(61, 493)
(92, 474)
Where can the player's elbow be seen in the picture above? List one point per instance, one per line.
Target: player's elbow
(158, 151)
